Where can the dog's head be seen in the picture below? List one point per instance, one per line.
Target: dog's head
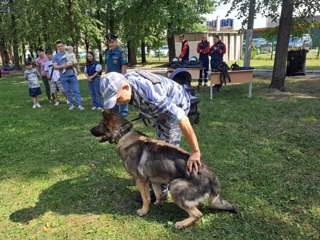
(111, 127)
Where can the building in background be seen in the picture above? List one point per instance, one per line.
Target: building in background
(224, 29)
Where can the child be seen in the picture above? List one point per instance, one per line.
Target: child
(32, 76)
(54, 78)
(71, 58)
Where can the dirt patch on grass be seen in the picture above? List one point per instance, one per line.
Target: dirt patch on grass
(297, 87)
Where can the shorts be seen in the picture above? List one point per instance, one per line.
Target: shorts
(35, 91)
(55, 85)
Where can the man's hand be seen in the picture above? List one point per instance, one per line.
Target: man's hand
(194, 160)
(68, 65)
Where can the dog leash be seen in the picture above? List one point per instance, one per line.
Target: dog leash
(145, 120)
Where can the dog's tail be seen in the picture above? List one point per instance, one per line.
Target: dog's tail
(216, 202)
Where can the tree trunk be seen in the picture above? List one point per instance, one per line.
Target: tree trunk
(86, 42)
(172, 47)
(132, 55)
(100, 51)
(31, 49)
(249, 33)
(14, 37)
(24, 55)
(3, 52)
(143, 52)
(279, 68)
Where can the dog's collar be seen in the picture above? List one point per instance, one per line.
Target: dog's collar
(120, 135)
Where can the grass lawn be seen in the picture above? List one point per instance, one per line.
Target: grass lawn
(265, 151)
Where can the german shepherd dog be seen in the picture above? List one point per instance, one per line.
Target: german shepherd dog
(158, 162)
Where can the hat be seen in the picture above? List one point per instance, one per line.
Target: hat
(110, 84)
(111, 36)
(69, 48)
(27, 63)
(48, 51)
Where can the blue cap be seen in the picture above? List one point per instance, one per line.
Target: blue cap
(110, 85)
(111, 36)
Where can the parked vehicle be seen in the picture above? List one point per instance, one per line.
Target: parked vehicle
(164, 50)
(304, 42)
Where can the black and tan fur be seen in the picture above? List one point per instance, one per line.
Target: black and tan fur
(149, 160)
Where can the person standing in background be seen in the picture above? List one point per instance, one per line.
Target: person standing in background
(93, 72)
(185, 49)
(69, 78)
(203, 50)
(116, 61)
(40, 62)
(217, 50)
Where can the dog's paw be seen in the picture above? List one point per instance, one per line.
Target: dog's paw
(159, 203)
(179, 226)
(141, 212)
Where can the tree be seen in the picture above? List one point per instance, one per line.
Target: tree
(302, 10)
(279, 70)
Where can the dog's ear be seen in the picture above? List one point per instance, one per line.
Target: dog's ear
(104, 114)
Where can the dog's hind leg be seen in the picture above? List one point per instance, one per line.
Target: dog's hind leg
(180, 190)
(158, 192)
(194, 215)
(216, 202)
(144, 191)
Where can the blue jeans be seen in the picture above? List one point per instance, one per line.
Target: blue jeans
(123, 109)
(70, 83)
(94, 91)
(205, 62)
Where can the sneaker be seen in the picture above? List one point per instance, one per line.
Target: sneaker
(68, 102)
(34, 106)
(164, 190)
(38, 105)
(206, 84)
(80, 108)
(56, 103)
(93, 108)
(71, 107)
(99, 108)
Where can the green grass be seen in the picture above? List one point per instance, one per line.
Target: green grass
(258, 63)
(311, 64)
(265, 151)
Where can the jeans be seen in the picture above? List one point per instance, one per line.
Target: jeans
(205, 62)
(94, 91)
(46, 86)
(70, 83)
(122, 109)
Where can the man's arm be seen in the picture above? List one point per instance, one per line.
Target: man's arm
(124, 63)
(188, 132)
(124, 69)
(184, 50)
(65, 66)
(106, 69)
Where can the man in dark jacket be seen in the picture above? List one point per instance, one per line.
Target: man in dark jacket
(217, 50)
(203, 50)
(184, 55)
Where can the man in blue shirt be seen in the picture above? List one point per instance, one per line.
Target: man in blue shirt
(68, 78)
(116, 61)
